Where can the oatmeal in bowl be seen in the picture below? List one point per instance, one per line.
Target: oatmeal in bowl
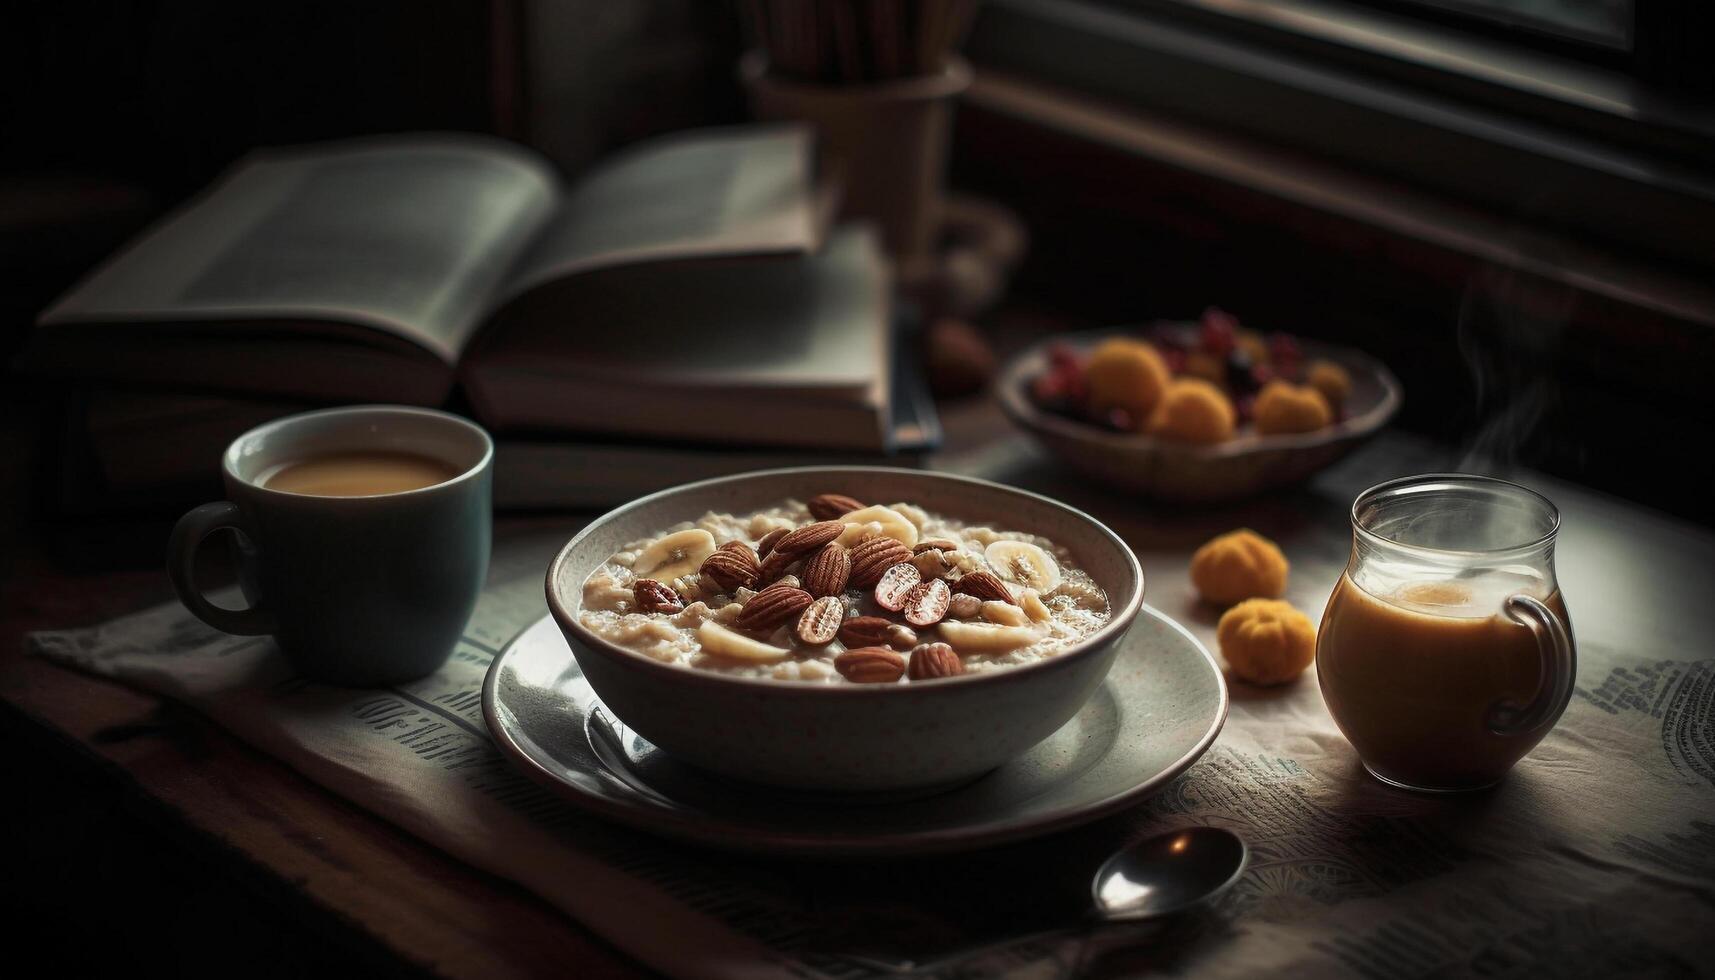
(845, 628)
(834, 591)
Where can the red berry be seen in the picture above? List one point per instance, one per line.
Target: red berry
(1218, 331)
(1174, 358)
(1284, 347)
(1119, 419)
(1245, 405)
(1261, 374)
(1062, 356)
(1048, 388)
(1077, 386)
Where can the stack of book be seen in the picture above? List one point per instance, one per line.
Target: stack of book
(683, 312)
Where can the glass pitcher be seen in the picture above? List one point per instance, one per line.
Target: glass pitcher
(1445, 653)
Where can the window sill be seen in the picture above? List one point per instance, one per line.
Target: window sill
(1378, 205)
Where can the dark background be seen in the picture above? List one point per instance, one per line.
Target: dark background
(112, 112)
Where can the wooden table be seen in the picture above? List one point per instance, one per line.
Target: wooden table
(266, 866)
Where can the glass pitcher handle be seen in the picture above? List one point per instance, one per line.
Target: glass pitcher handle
(1559, 669)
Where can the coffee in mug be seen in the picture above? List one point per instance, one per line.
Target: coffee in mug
(363, 535)
(360, 474)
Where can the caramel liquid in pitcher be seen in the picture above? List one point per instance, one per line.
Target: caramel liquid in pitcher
(1410, 676)
(358, 474)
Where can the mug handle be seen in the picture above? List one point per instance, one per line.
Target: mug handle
(187, 537)
(1559, 669)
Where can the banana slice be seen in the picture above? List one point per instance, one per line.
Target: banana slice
(893, 525)
(984, 638)
(1004, 613)
(1022, 563)
(678, 554)
(1034, 607)
(722, 642)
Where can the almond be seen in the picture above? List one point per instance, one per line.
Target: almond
(865, 631)
(873, 556)
(827, 506)
(826, 572)
(938, 544)
(652, 596)
(932, 660)
(926, 604)
(809, 537)
(895, 584)
(984, 585)
(771, 607)
(870, 665)
(769, 540)
(820, 621)
(774, 566)
(732, 566)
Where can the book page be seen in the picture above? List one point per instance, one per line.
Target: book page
(406, 235)
(784, 351)
(720, 192)
(808, 325)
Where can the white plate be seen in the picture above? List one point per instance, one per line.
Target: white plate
(1159, 709)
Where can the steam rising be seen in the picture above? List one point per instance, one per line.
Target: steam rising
(1510, 324)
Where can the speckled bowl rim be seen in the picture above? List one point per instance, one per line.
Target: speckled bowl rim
(1014, 379)
(1112, 632)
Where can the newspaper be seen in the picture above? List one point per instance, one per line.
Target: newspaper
(1595, 857)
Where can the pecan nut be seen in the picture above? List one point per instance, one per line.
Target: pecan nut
(771, 607)
(895, 586)
(767, 542)
(984, 585)
(732, 566)
(870, 665)
(654, 597)
(777, 564)
(873, 556)
(932, 660)
(865, 631)
(828, 506)
(926, 604)
(808, 538)
(820, 621)
(964, 606)
(826, 572)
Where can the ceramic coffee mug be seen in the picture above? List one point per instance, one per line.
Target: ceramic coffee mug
(357, 590)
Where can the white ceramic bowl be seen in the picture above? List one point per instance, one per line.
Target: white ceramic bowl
(897, 737)
(1241, 467)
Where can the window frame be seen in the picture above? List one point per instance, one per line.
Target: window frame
(1481, 121)
(1523, 31)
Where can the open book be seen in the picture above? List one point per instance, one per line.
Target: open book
(682, 291)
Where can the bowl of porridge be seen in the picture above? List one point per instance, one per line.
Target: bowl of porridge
(845, 628)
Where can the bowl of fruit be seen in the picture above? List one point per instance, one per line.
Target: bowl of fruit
(1201, 411)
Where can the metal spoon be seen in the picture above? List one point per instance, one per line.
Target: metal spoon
(1152, 879)
(1167, 873)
